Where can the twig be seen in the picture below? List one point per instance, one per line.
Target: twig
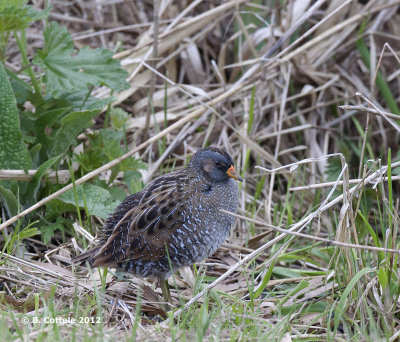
(60, 176)
(371, 111)
(150, 105)
(329, 184)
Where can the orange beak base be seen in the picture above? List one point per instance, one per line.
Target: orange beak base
(233, 174)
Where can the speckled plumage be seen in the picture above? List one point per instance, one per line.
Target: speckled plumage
(175, 216)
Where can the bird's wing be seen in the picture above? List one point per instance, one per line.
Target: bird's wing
(144, 223)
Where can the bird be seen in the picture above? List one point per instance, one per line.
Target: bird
(174, 221)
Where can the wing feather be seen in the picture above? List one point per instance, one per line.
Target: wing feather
(144, 222)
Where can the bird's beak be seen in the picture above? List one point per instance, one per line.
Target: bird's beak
(233, 174)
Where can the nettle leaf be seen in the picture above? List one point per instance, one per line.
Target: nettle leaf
(97, 200)
(57, 122)
(13, 152)
(71, 125)
(47, 230)
(104, 146)
(80, 101)
(77, 101)
(14, 15)
(67, 71)
(57, 41)
(44, 124)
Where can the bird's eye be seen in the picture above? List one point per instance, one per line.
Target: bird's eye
(221, 166)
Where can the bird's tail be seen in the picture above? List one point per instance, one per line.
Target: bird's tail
(85, 257)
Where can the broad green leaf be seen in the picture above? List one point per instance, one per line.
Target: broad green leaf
(21, 89)
(44, 124)
(9, 200)
(66, 71)
(13, 152)
(80, 101)
(117, 194)
(98, 200)
(76, 101)
(104, 146)
(57, 41)
(34, 152)
(71, 125)
(48, 230)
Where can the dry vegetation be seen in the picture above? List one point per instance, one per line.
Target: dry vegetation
(266, 80)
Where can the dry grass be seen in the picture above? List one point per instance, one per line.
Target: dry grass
(266, 82)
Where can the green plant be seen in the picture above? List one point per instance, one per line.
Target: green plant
(41, 119)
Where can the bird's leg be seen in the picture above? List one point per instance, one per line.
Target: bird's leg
(163, 283)
(165, 289)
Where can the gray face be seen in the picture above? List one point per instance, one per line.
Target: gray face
(213, 163)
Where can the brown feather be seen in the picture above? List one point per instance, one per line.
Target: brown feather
(141, 232)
